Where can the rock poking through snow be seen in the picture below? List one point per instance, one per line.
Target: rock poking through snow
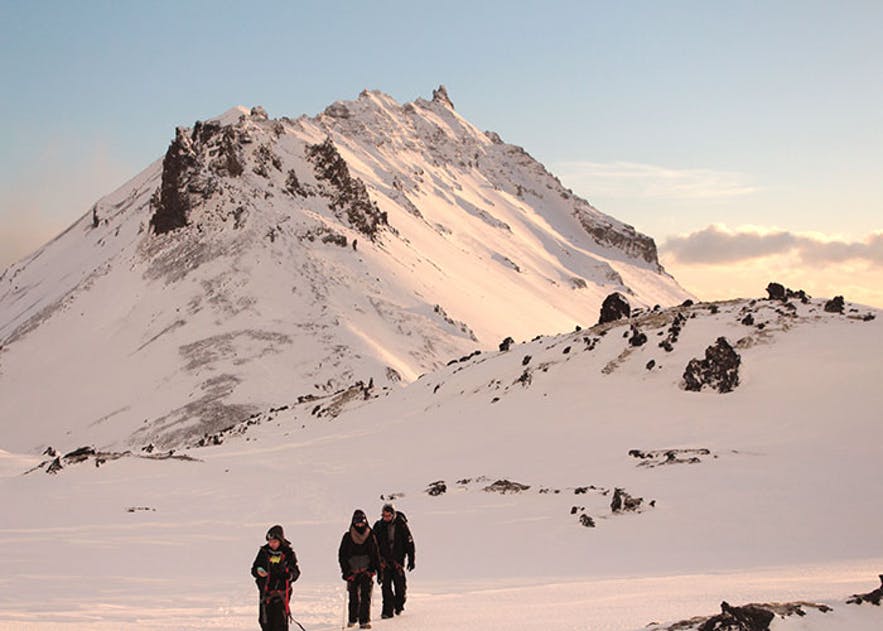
(719, 370)
(615, 307)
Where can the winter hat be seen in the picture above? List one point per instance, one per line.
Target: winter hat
(359, 517)
(278, 534)
(389, 508)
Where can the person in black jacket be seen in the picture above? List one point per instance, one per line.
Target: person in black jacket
(275, 569)
(359, 561)
(396, 544)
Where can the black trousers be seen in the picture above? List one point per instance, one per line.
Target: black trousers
(393, 587)
(359, 590)
(272, 615)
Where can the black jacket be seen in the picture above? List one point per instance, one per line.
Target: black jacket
(356, 557)
(281, 566)
(394, 550)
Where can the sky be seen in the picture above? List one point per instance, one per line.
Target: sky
(746, 138)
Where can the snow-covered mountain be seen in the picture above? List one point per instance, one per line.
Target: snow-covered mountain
(265, 260)
(640, 471)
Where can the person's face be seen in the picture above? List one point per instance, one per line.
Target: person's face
(274, 544)
(387, 516)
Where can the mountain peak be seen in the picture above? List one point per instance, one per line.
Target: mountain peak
(368, 244)
(231, 116)
(440, 95)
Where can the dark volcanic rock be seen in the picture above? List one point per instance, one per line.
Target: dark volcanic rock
(437, 488)
(348, 194)
(873, 597)
(719, 370)
(776, 291)
(781, 293)
(506, 486)
(747, 618)
(173, 205)
(623, 502)
(191, 167)
(637, 338)
(615, 307)
(835, 305)
(506, 344)
(586, 521)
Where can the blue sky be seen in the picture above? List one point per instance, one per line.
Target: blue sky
(752, 129)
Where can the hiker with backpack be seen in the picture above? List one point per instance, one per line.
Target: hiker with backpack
(359, 561)
(396, 544)
(275, 569)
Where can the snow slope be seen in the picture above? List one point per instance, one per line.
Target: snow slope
(268, 257)
(770, 494)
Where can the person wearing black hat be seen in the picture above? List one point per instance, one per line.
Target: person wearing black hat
(359, 561)
(396, 544)
(275, 569)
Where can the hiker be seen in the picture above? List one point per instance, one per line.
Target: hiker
(359, 561)
(396, 543)
(275, 569)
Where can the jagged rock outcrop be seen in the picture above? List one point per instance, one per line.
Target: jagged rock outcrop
(719, 370)
(440, 95)
(614, 307)
(623, 237)
(348, 195)
(191, 167)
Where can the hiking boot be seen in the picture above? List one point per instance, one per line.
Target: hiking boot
(351, 623)
(365, 625)
(386, 615)
(398, 612)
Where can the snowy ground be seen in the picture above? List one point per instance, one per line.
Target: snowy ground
(601, 604)
(785, 505)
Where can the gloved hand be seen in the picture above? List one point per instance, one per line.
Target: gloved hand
(410, 564)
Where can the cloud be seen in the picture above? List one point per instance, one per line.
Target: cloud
(648, 181)
(717, 244)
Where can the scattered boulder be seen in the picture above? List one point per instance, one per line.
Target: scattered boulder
(437, 488)
(747, 618)
(748, 320)
(623, 502)
(719, 370)
(79, 455)
(779, 292)
(637, 338)
(835, 305)
(776, 291)
(506, 486)
(614, 307)
(506, 344)
(660, 457)
(586, 521)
